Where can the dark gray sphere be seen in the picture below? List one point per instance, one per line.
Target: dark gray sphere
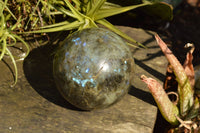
(92, 68)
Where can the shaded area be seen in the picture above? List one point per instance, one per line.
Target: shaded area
(142, 95)
(185, 28)
(38, 69)
(150, 70)
(35, 105)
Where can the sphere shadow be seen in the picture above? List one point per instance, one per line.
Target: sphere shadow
(38, 69)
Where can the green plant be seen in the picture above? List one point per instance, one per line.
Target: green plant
(33, 14)
(87, 14)
(18, 16)
(6, 34)
(188, 104)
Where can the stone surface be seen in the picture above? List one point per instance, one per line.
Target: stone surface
(93, 68)
(35, 106)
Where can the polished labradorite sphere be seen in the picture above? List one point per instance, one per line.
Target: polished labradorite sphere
(92, 68)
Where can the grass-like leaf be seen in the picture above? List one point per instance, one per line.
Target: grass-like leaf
(65, 11)
(69, 26)
(20, 39)
(56, 25)
(77, 2)
(32, 14)
(114, 29)
(88, 7)
(129, 44)
(14, 40)
(109, 5)
(2, 24)
(98, 4)
(3, 49)
(113, 11)
(4, 3)
(78, 15)
(159, 9)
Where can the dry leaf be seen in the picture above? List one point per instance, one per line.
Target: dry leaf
(188, 66)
